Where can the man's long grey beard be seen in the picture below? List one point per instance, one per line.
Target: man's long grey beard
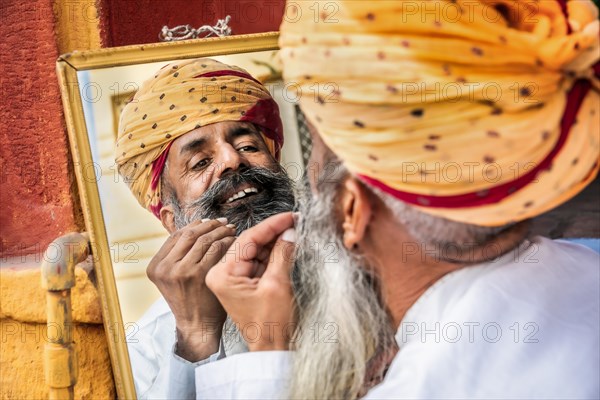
(342, 323)
(276, 196)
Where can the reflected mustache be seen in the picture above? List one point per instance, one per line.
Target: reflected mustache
(276, 195)
(220, 191)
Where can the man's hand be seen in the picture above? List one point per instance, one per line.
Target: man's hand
(252, 281)
(179, 270)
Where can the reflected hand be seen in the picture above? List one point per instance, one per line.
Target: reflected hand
(179, 270)
(253, 283)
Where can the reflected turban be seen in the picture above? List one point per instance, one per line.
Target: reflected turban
(181, 97)
(483, 112)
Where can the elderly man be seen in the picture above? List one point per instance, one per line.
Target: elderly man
(198, 146)
(427, 242)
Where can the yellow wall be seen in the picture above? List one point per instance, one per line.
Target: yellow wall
(23, 336)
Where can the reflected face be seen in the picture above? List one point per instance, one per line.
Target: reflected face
(225, 170)
(201, 157)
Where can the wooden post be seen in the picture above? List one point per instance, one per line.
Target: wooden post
(58, 277)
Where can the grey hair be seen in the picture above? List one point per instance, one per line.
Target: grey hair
(343, 327)
(445, 237)
(438, 232)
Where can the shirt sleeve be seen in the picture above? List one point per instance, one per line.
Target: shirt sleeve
(181, 383)
(254, 375)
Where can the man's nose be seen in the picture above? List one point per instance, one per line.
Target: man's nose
(230, 160)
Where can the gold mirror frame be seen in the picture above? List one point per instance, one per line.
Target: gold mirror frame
(67, 67)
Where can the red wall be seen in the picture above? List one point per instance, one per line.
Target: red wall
(140, 21)
(36, 187)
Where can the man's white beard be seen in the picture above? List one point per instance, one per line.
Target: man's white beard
(342, 324)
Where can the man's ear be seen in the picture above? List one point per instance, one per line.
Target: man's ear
(356, 212)
(167, 217)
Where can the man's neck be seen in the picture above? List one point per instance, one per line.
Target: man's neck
(407, 268)
(402, 283)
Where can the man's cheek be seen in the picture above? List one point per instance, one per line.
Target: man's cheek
(262, 159)
(196, 188)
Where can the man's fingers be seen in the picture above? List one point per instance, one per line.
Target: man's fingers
(282, 256)
(216, 251)
(204, 245)
(155, 264)
(268, 230)
(186, 238)
(254, 239)
(167, 246)
(177, 246)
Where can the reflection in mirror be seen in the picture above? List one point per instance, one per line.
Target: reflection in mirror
(134, 234)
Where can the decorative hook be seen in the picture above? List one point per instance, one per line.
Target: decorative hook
(184, 32)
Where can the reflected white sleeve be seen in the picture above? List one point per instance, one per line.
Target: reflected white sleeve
(254, 375)
(181, 374)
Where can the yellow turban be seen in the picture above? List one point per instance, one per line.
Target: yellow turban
(484, 112)
(181, 97)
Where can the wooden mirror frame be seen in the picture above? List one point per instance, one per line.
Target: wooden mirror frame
(67, 67)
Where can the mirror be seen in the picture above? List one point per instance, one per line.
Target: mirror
(95, 86)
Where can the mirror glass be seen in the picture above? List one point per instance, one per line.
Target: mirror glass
(133, 234)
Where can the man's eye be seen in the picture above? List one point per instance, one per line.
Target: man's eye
(201, 164)
(245, 149)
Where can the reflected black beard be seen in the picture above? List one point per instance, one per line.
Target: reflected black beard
(276, 195)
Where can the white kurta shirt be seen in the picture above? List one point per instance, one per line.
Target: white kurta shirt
(525, 325)
(157, 371)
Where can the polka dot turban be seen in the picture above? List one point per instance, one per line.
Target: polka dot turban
(483, 112)
(181, 97)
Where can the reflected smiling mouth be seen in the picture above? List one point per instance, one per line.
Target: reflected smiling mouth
(242, 193)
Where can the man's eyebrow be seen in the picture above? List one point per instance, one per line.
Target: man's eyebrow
(241, 131)
(192, 146)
